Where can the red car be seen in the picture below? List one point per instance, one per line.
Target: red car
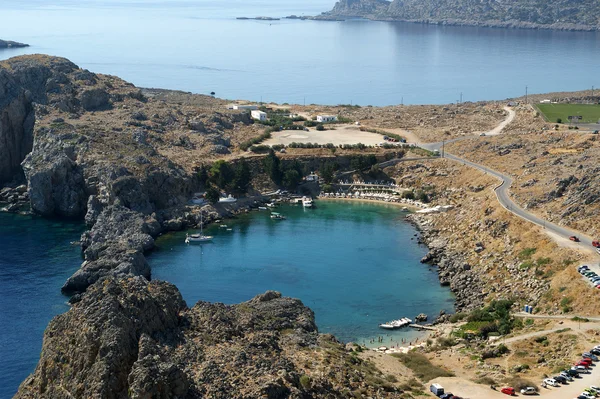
(583, 364)
(587, 360)
(508, 390)
(574, 238)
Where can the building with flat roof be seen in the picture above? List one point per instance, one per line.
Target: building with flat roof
(258, 115)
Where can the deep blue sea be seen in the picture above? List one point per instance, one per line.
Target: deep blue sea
(354, 264)
(199, 46)
(35, 260)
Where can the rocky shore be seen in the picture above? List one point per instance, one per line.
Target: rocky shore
(453, 270)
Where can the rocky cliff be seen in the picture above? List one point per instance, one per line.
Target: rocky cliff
(552, 14)
(16, 126)
(130, 338)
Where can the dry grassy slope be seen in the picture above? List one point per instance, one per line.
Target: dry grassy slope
(543, 278)
(556, 172)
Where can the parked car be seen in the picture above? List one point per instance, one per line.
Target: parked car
(446, 396)
(550, 381)
(574, 238)
(590, 355)
(508, 390)
(591, 392)
(587, 359)
(581, 369)
(572, 372)
(436, 389)
(529, 391)
(595, 388)
(560, 379)
(595, 351)
(584, 362)
(566, 375)
(588, 395)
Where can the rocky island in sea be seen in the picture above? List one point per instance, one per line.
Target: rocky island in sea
(551, 14)
(11, 44)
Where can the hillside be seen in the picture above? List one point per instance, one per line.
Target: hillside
(551, 14)
(11, 44)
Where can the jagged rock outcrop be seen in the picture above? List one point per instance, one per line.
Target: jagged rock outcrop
(130, 338)
(552, 14)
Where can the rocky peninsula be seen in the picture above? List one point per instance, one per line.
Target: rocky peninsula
(530, 14)
(10, 44)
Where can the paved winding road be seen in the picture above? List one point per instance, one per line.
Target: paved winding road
(506, 181)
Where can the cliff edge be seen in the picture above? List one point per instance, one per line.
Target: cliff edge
(11, 44)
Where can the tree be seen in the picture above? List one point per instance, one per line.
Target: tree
(220, 174)
(212, 195)
(327, 171)
(558, 120)
(291, 179)
(320, 127)
(272, 166)
(242, 177)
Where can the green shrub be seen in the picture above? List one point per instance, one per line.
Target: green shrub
(527, 253)
(305, 381)
(543, 261)
(457, 317)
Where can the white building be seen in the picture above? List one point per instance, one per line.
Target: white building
(242, 107)
(326, 118)
(258, 115)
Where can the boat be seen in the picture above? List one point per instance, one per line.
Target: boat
(395, 324)
(271, 205)
(198, 201)
(307, 202)
(277, 216)
(262, 208)
(223, 226)
(227, 199)
(198, 237)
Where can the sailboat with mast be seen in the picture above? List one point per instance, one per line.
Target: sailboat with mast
(198, 238)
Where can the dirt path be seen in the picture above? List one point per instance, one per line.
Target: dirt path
(498, 129)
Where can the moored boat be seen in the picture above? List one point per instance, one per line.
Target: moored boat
(198, 237)
(277, 216)
(307, 202)
(394, 324)
(227, 199)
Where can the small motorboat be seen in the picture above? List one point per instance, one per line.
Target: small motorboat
(223, 226)
(227, 199)
(262, 208)
(394, 324)
(277, 216)
(307, 202)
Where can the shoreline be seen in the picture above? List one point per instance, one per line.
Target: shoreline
(411, 207)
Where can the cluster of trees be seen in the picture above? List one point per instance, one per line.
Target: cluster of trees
(225, 176)
(289, 176)
(418, 195)
(360, 162)
(493, 319)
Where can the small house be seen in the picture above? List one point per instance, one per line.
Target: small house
(326, 118)
(259, 115)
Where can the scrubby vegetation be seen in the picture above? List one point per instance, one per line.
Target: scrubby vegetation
(422, 367)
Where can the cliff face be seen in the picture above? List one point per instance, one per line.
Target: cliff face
(11, 44)
(129, 338)
(552, 14)
(16, 126)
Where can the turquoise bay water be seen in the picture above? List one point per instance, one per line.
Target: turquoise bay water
(199, 46)
(355, 265)
(35, 260)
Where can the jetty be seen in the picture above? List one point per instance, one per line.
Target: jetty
(422, 327)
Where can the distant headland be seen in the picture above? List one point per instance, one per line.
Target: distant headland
(11, 44)
(551, 14)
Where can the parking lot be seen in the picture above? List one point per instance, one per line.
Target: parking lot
(343, 134)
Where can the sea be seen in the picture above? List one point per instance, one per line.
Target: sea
(199, 46)
(36, 258)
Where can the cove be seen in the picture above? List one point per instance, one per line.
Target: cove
(35, 260)
(354, 264)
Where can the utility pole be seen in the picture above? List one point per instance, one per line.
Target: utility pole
(592, 93)
(402, 101)
(526, 101)
(443, 143)
(305, 101)
(461, 97)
